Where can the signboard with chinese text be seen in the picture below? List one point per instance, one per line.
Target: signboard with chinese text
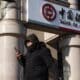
(53, 15)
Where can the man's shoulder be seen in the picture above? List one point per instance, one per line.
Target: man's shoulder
(43, 46)
(45, 50)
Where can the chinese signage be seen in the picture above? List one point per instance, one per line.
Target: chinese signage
(53, 15)
(49, 12)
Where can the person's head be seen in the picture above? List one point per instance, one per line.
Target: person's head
(31, 41)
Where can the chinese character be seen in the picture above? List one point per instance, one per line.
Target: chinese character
(70, 15)
(62, 12)
(77, 18)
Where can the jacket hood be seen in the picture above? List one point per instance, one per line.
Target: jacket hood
(33, 38)
(42, 44)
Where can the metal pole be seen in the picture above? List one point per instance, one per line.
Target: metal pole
(10, 32)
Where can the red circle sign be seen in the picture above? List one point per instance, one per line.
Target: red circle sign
(49, 12)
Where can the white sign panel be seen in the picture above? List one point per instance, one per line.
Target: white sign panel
(53, 15)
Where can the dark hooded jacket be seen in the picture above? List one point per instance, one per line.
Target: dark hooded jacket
(37, 62)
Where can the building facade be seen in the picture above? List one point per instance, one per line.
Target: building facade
(63, 46)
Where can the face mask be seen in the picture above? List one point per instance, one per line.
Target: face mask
(29, 44)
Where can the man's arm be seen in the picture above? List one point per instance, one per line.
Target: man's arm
(50, 62)
(20, 57)
(21, 60)
(46, 56)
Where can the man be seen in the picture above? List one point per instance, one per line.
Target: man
(37, 61)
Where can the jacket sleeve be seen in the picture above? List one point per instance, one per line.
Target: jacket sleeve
(46, 57)
(22, 60)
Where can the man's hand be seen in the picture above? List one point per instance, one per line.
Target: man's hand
(18, 54)
(20, 57)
